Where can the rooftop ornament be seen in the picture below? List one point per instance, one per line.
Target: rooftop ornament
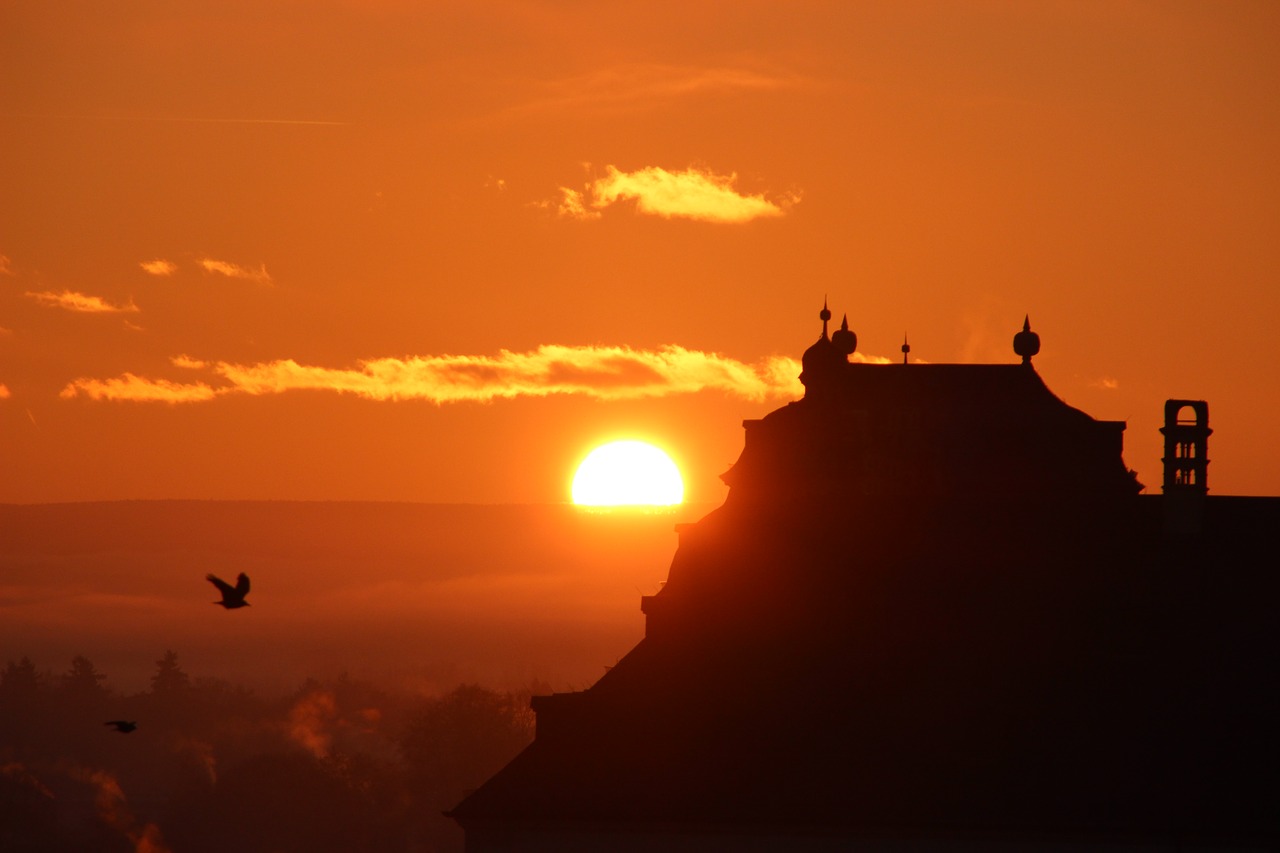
(1026, 343)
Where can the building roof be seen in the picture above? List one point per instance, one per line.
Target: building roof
(934, 602)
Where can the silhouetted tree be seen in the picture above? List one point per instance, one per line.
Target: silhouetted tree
(25, 706)
(19, 678)
(460, 739)
(83, 681)
(284, 801)
(169, 680)
(452, 743)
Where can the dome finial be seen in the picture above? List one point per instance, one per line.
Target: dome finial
(824, 315)
(1026, 343)
(906, 347)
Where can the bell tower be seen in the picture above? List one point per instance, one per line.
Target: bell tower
(1186, 464)
(1186, 446)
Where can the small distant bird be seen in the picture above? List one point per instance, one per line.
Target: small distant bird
(232, 596)
(122, 726)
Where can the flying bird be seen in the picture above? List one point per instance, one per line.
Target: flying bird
(232, 596)
(122, 726)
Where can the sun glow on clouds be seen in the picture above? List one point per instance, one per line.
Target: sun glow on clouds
(80, 302)
(604, 373)
(691, 194)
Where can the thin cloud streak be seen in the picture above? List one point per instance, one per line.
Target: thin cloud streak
(180, 119)
(231, 270)
(159, 267)
(643, 84)
(603, 373)
(130, 387)
(70, 300)
(697, 194)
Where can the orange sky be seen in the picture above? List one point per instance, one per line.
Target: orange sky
(436, 251)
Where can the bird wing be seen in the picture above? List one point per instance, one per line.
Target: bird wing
(242, 585)
(223, 587)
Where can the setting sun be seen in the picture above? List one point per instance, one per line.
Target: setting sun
(627, 473)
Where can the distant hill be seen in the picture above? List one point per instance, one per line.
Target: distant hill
(430, 593)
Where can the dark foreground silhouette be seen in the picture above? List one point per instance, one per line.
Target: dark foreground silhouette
(333, 766)
(122, 726)
(934, 612)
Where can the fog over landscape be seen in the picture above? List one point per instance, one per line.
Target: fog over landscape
(407, 594)
(383, 667)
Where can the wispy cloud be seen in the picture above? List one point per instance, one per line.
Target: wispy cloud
(689, 194)
(159, 267)
(73, 301)
(5, 268)
(183, 119)
(604, 373)
(130, 387)
(645, 84)
(231, 270)
(5, 394)
(573, 204)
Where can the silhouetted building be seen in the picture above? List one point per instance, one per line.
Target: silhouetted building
(934, 613)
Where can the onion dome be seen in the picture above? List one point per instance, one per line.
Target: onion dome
(1026, 343)
(844, 339)
(822, 359)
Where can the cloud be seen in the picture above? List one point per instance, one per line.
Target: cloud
(1106, 383)
(604, 373)
(231, 270)
(691, 194)
(5, 394)
(73, 301)
(648, 84)
(130, 387)
(573, 204)
(5, 269)
(159, 267)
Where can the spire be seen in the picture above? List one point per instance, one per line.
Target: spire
(1026, 343)
(906, 347)
(823, 360)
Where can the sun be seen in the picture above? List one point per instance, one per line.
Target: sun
(627, 473)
